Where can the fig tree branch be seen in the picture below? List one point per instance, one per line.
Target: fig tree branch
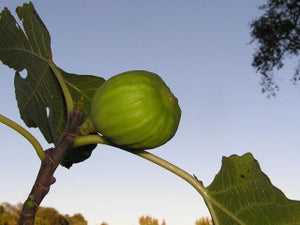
(45, 177)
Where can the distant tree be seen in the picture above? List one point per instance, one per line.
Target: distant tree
(50, 216)
(148, 220)
(76, 219)
(277, 33)
(204, 221)
(9, 214)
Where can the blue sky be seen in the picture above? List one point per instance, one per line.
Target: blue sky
(201, 49)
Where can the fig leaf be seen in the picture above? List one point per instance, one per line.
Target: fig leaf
(86, 86)
(39, 95)
(83, 86)
(241, 194)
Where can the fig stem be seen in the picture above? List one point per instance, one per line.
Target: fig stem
(34, 142)
(89, 139)
(86, 127)
(63, 85)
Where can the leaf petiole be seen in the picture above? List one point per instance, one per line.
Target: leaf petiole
(38, 148)
(63, 85)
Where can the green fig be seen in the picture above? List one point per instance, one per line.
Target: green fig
(135, 110)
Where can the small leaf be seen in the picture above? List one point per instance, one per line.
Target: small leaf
(241, 194)
(78, 155)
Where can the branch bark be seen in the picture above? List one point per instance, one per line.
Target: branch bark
(45, 177)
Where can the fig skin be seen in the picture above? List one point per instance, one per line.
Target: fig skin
(135, 110)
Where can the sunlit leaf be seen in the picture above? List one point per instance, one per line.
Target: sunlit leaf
(241, 194)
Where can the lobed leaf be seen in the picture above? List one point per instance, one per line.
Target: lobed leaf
(241, 194)
(39, 95)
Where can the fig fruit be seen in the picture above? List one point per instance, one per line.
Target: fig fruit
(135, 110)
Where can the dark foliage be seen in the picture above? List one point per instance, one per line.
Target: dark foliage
(277, 33)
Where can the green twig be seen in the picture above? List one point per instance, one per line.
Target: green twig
(192, 180)
(38, 148)
(173, 169)
(97, 139)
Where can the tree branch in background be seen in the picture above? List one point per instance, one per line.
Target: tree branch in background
(277, 33)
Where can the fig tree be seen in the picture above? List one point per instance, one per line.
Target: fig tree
(135, 110)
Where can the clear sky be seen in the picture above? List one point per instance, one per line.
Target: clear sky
(201, 49)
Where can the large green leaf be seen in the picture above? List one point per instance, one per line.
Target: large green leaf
(40, 98)
(31, 51)
(241, 194)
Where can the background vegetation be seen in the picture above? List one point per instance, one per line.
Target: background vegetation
(9, 215)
